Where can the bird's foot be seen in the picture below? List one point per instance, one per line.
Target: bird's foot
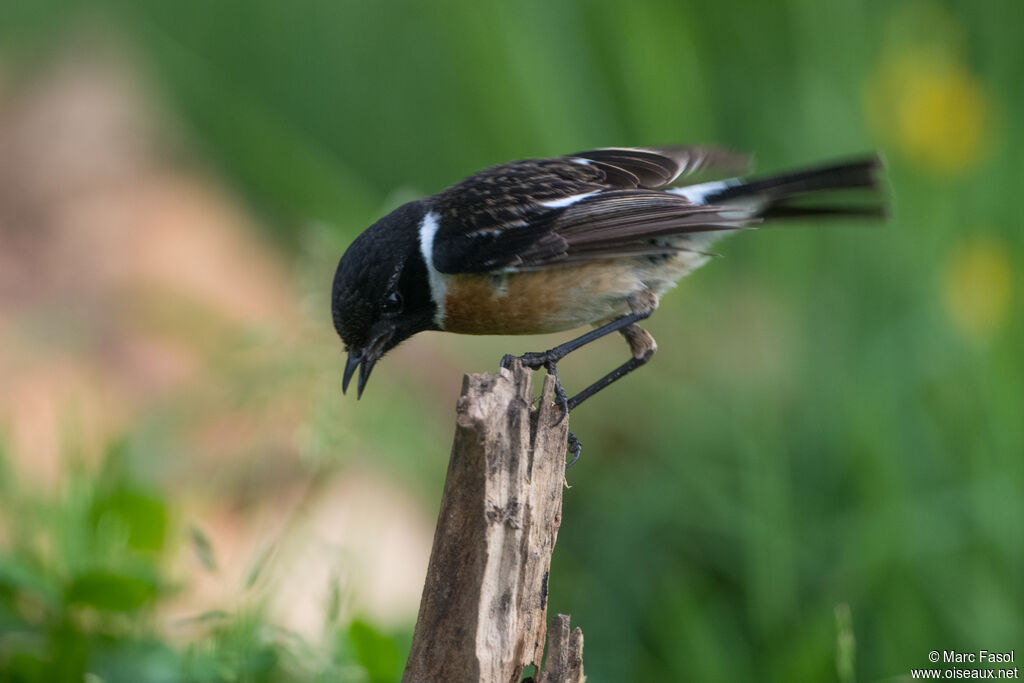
(549, 361)
(573, 445)
(536, 360)
(574, 448)
(561, 398)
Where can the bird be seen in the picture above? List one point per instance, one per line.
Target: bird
(593, 238)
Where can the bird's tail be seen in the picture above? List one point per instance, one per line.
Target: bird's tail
(810, 192)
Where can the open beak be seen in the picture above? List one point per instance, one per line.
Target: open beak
(364, 359)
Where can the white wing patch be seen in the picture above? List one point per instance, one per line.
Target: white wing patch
(745, 207)
(698, 193)
(568, 201)
(438, 280)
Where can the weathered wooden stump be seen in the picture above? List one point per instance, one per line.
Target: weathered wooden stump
(483, 615)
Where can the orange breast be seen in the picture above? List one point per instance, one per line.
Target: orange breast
(549, 300)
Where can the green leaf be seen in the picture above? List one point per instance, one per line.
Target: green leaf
(111, 591)
(376, 652)
(142, 514)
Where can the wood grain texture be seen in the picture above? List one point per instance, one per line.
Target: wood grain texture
(483, 612)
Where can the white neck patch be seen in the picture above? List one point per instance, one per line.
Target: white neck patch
(438, 280)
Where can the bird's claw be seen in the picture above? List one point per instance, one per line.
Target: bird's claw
(574, 448)
(561, 398)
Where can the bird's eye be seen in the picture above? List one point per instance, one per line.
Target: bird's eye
(392, 303)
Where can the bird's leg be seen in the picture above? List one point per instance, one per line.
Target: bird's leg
(640, 341)
(549, 359)
(643, 346)
(642, 305)
(538, 359)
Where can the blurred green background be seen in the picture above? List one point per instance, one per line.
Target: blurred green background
(818, 478)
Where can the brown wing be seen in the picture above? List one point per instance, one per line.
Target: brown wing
(654, 167)
(530, 214)
(618, 223)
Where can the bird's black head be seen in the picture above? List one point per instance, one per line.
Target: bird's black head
(381, 293)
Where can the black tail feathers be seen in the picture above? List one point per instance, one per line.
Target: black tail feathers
(786, 195)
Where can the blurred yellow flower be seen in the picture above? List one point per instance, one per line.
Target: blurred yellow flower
(979, 287)
(923, 99)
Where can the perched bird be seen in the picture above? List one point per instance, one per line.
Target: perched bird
(546, 245)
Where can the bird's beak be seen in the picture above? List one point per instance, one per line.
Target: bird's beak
(354, 357)
(364, 359)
